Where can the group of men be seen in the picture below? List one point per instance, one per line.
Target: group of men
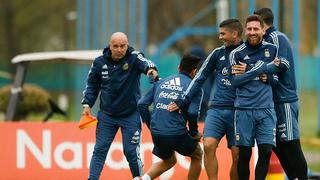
(254, 100)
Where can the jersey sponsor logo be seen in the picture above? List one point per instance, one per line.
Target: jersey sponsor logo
(171, 95)
(162, 106)
(224, 71)
(222, 58)
(172, 84)
(226, 82)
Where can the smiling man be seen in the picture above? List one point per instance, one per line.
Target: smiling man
(255, 118)
(220, 116)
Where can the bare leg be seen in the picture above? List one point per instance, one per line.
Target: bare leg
(210, 160)
(160, 167)
(235, 158)
(195, 165)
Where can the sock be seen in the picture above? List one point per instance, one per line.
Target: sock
(243, 163)
(263, 163)
(146, 177)
(292, 159)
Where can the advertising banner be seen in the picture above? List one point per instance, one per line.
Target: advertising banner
(60, 150)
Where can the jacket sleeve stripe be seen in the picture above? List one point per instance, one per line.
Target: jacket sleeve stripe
(231, 56)
(141, 58)
(204, 65)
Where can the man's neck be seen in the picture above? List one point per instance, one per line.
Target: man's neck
(268, 26)
(237, 41)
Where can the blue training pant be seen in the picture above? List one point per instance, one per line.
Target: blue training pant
(287, 124)
(107, 128)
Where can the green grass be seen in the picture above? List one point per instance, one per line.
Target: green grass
(308, 126)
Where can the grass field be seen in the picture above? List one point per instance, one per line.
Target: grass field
(308, 125)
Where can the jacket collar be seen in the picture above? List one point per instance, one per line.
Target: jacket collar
(186, 74)
(107, 52)
(269, 31)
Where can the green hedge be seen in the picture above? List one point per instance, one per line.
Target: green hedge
(33, 99)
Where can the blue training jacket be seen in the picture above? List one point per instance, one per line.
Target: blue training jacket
(217, 62)
(286, 89)
(118, 82)
(251, 93)
(165, 123)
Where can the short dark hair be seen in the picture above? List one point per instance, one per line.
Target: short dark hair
(266, 14)
(197, 50)
(255, 18)
(189, 62)
(233, 25)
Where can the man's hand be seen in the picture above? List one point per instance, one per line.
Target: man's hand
(173, 107)
(86, 111)
(263, 77)
(198, 136)
(153, 72)
(276, 61)
(239, 68)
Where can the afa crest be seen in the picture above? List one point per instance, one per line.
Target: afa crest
(237, 137)
(266, 53)
(125, 66)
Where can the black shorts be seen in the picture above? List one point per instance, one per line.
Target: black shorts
(164, 146)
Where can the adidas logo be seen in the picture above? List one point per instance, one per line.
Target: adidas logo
(222, 58)
(135, 138)
(175, 82)
(246, 57)
(105, 67)
(136, 133)
(172, 84)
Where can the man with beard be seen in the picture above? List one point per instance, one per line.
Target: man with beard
(286, 103)
(220, 116)
(255, 118)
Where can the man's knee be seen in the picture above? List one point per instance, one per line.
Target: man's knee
(99, 148)
(171, 161)
(197, 153)
(131, 154)
(210, 145)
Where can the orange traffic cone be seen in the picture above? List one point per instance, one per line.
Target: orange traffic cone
(87, 121)
(275, 170)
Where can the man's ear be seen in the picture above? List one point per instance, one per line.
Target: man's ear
(179, 69)
(194, 72)
(264, 29)
(234, 34)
